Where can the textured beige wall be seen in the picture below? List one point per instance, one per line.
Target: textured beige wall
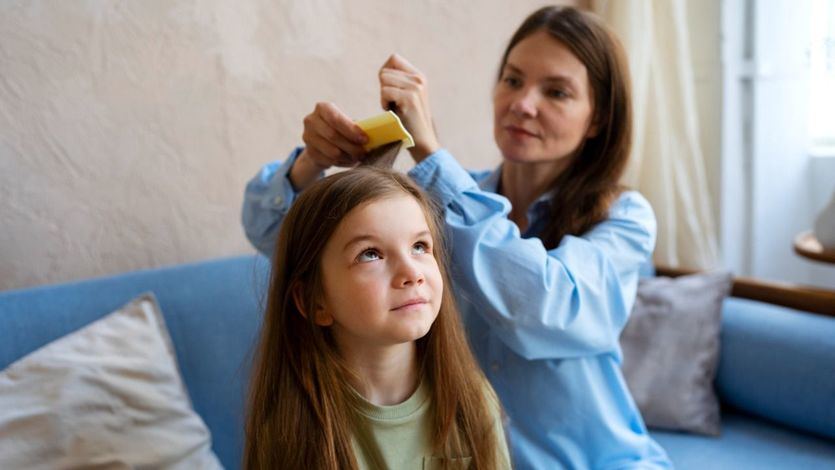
(128, 129)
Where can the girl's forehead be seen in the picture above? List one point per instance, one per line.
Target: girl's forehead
(391, 216)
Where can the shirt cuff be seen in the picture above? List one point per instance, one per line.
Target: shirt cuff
(442, 176)
(280, 193)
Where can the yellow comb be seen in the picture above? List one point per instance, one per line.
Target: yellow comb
(384, 129)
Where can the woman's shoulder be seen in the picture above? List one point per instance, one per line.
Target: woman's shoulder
(631, 200)
(630, 218)
(631, 205)
(445, 157)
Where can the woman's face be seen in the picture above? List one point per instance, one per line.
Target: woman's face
(542, 105)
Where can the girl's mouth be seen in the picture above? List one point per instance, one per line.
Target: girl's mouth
(411, 303)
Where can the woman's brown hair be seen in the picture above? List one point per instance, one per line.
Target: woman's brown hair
(301, 410)
(586, 189)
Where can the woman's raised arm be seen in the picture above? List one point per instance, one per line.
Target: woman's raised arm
(569, 301)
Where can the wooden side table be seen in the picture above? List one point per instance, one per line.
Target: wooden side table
(807, 245)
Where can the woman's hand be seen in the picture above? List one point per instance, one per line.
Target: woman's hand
(331, 139)
(404, 85)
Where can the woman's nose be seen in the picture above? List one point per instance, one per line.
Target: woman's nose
(524, 103)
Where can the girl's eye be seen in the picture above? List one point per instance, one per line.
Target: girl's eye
(420, 248)
(368, 255)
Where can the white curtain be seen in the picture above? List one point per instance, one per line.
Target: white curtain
(667, 164)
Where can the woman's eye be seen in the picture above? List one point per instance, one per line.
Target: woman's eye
(512, 82)
(556, 93)
(368, 255)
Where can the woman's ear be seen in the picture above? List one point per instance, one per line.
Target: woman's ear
(321, 316)
(594, 128)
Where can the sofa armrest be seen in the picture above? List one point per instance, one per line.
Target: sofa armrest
(794, 296)
(778, 363)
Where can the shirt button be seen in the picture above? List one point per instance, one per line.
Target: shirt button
(278, 200)
(494, 366)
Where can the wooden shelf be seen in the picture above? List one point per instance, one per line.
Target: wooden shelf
(806, 245)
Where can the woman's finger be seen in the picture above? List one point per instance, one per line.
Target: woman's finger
(400, 79)
(345, 146)
(326, 154)
(396, 61)
(316, 125)
(340, 122)
(398, 96)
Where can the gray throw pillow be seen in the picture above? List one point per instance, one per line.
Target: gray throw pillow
(671, 350)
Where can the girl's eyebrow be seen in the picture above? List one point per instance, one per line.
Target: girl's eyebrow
(423, 233)
(357, 239)
(372, 238)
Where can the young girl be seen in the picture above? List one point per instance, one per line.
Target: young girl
(362, 361)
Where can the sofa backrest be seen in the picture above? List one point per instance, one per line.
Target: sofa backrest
(212, 310)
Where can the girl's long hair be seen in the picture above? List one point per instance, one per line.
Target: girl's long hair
(586, 189)
(301, 411)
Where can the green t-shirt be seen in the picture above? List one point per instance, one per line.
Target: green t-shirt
(399, 436)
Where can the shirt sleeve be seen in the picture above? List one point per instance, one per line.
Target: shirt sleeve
(267, 198)
(570, 301)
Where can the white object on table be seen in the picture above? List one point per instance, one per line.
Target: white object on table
(825, 225)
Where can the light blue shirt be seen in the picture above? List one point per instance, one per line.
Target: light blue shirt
(543, 324)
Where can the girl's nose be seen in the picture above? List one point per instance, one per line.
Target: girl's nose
(524, 103)
(408, 274)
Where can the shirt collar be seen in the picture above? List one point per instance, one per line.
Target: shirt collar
(491, 183)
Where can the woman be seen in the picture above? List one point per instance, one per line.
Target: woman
(546, 248)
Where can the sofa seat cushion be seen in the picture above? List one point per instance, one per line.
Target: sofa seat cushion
(748, 442)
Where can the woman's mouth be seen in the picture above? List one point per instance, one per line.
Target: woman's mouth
(520, 133)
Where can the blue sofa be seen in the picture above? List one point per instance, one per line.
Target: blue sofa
(776, 378)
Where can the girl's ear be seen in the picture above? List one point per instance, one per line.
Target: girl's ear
(321, 316)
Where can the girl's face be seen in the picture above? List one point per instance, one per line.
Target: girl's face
(542, 107)
(381, 282)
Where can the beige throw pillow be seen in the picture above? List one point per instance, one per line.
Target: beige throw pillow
(108, 396)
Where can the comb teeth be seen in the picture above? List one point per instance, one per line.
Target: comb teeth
(383, 156)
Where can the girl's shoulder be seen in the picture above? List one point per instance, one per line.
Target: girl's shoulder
(500, 421)
(492, 399)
